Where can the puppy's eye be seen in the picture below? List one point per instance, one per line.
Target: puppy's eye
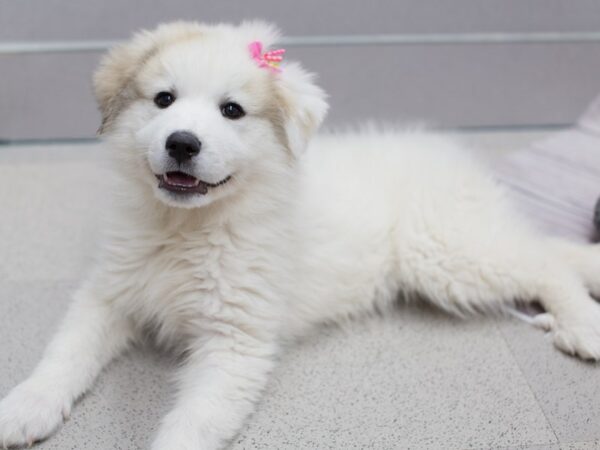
(164, 99)
(232, 110)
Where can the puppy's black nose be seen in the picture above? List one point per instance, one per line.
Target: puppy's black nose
(182, 146)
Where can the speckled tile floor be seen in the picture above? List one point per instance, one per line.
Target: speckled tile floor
(417, 379)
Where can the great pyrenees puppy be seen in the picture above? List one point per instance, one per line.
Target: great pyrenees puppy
(233, 232)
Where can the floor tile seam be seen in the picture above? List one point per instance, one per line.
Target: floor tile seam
(535, 397)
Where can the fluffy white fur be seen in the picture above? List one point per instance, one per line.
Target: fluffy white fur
(303, 233)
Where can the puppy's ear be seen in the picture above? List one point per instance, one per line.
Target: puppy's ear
(304, 105)
(114, 85)
(114, 77)
(301, 104)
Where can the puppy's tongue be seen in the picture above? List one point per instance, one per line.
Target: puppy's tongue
(181, 179)
(180, 182)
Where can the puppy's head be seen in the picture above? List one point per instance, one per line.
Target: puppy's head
(193, 115)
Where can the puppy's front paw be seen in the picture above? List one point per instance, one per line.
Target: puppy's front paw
(579, 334)
(30, 413)
(182, 430)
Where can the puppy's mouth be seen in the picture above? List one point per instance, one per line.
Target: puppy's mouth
(183, 183)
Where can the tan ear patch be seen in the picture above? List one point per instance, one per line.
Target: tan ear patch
(114, 81)
(276, 113)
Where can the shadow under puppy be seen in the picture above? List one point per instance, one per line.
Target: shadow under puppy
(232, 231)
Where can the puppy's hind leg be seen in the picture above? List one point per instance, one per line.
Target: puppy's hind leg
(481, 271)
(583, 259)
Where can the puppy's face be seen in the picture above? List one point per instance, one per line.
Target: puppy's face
(193, 116)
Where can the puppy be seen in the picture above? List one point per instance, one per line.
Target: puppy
(232, 233)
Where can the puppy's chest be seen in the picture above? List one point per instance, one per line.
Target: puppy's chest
(187, 283)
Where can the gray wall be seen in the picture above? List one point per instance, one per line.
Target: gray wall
(49, 95)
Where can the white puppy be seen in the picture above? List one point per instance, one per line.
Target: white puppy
(232, 233)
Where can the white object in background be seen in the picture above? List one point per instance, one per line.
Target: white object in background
(556, 181)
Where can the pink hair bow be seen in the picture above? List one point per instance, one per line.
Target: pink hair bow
(269, 60)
